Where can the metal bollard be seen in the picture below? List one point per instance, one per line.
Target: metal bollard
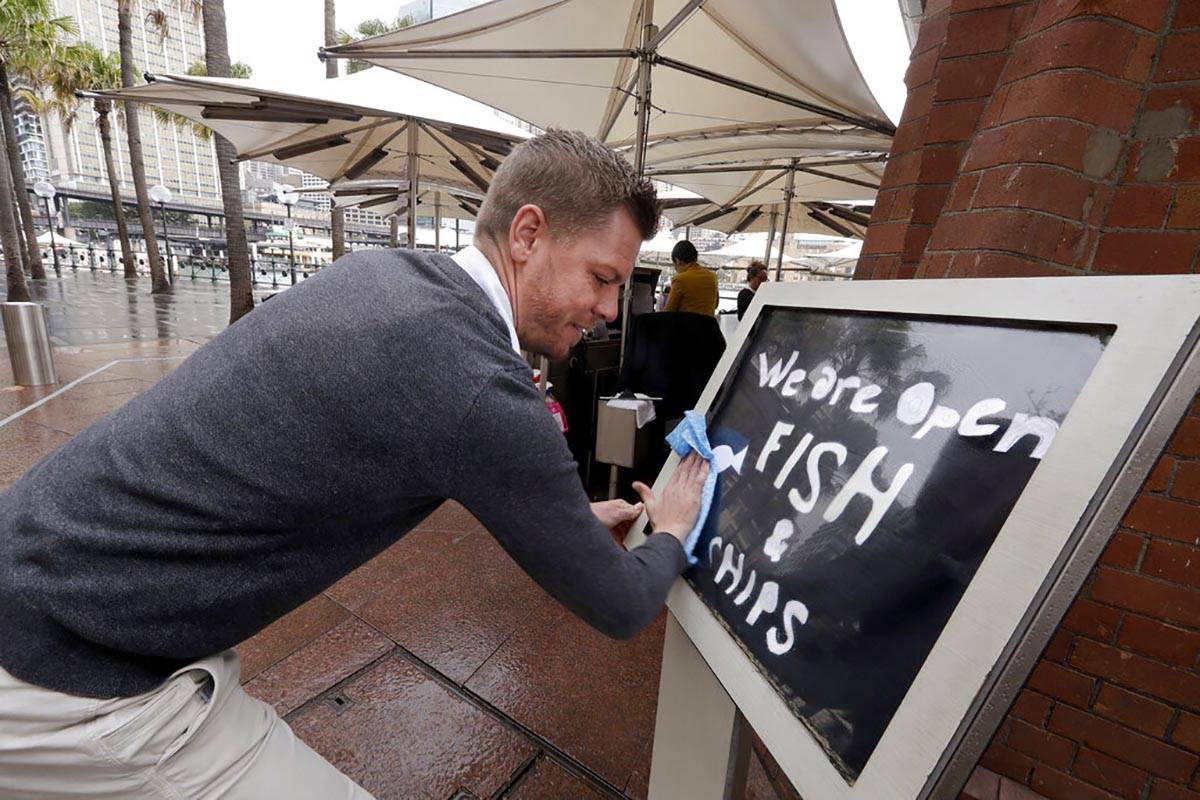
(28, 337)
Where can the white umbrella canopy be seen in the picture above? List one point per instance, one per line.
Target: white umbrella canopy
(756, 218)
(765, 183)
(339, 129)
(775, 62)
(744, 144)
(390, 199)
(746, 248)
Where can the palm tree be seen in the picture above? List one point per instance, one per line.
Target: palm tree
(133, 131)
(83, 67)
(29, 40)
(17, 291)
(216, 60)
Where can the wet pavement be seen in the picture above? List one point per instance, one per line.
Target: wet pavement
(437, 669)
(95, 306)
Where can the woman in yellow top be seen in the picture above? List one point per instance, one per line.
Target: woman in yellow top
(693, 288)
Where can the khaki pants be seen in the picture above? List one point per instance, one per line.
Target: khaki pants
(196, 736)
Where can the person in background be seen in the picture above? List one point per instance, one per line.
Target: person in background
(756, 276)
(694, 288)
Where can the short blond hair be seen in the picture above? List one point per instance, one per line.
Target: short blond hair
(574, 179)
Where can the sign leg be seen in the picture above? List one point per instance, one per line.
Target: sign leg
(701, 741)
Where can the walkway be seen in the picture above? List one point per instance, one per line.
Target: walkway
(93, 307)
(438, 669)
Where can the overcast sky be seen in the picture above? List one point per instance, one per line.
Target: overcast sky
(279, 39)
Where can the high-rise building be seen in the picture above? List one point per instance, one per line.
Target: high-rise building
(174, 155)
(264, 177)
(321, 201)
(30, 141)
(364, 218)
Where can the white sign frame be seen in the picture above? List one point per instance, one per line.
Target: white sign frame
(1142, 384)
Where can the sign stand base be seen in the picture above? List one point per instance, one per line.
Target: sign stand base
(701, 740)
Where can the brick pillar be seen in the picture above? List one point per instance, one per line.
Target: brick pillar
(960, 52)
(1062, 137)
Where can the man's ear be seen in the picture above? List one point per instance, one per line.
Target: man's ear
(528, 225)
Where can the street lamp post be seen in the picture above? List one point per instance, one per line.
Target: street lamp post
(289, 198)
(46, 191)
(162, 195)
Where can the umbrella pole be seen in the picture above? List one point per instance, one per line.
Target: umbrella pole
(412, 184)
(437, 222)
(639, 163)
(787, 212)
(639, 156)
(643, 111)
(771, 235)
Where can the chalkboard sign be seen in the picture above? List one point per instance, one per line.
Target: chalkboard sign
(868, 461)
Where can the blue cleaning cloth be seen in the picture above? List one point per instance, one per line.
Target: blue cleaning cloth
(692, 434)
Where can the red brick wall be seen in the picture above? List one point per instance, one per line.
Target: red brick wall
(1062, 137)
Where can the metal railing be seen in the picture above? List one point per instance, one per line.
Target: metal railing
(266, 271)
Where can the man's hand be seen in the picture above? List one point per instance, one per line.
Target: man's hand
(676, 513)
(618, 516)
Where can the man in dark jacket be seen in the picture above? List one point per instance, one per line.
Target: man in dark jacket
(133, 558)
(756, 276)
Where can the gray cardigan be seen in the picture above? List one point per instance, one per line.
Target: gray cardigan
(294, 446)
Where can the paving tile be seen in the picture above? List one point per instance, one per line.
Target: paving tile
(638, 785)
(401, 562)
(593, 697)
(452, 599)
(332, 657)
(982, 785)
(546, 780)
(450, 516)
(770, 769)
(23, 444)
(76, 425)
(13, 398)
(375, 576)
(1011, 790)
(150, 370)
(94, 372)
(758, 784)
(288, 634)
(405, 735)
(94, 388)
(67, 368)
(71, 413)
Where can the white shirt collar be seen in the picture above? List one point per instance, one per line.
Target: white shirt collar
(476, 264)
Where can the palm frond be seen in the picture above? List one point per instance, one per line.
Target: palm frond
(366, 29)
(239, 69)
(171, 118)
(79, 66)
(31, 37)
(158, 22)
